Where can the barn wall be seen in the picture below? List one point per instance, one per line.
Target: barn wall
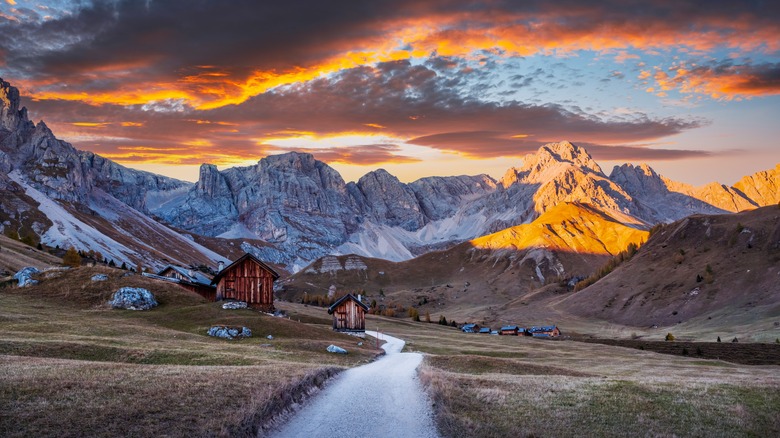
(249, 282)
(349, 316)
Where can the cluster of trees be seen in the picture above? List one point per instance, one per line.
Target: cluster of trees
(610, 266)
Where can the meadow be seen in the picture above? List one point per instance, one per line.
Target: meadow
(71, 366)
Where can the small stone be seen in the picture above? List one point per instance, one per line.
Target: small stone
(334, 349)
(269, 337)
(234, 305)
(99, 277)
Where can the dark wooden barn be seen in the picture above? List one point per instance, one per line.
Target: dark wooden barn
(247, 279)
(349, 314)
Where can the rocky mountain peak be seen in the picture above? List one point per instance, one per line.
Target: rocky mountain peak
(391, 201)
(550, 160)
(635, 179)
(10, 114)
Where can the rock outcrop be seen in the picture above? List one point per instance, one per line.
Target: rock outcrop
(24, 276)
(133, 298)
(225, 332)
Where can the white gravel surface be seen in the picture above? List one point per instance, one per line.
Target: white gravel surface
(381, 399)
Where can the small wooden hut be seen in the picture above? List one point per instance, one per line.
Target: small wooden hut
(510, 330)
(349, 314)
(247, 279)
(191, 280)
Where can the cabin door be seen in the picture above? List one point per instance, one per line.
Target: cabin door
(341, 319)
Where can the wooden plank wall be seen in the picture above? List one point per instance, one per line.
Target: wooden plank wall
(349, 316)
(247, 282)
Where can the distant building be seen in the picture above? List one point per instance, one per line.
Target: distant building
(247, 279)
(509, 330)
(470, 328)
(349, 314)
(485, 330)
(190, 279)
(547, 331)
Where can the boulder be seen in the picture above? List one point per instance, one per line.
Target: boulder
(24, 276)
(99, 277)
(234, 305)
(225, 332)
(334, 349)
(133, 298)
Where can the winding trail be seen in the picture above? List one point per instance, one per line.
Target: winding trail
(381, 399)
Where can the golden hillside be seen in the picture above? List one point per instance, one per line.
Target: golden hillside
(570, 227)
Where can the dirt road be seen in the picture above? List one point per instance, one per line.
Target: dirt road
(381, 399)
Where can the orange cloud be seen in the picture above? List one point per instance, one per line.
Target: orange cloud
(724, 81)
(456, 33)
(90, 124)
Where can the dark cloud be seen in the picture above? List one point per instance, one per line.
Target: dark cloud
(414, 102)
(402, 101)
(646, 153)
(105, 44)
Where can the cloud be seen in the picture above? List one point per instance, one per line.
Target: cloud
(399, 101)
(722, 80)
(646, 153)
(128, 52)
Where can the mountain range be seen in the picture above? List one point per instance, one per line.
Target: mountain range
(292, 209)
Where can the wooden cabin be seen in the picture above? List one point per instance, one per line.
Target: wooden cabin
(509, 330)
(547, 331)
(247, 279)
(349, 314)
(194, 281)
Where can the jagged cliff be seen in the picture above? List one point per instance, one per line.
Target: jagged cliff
(291, 209)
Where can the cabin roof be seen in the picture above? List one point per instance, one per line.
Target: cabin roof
(544, 328)
(197, 277)
(509, 327)
(484, 330)
(227, 268)
(469, 325)
(346, 297)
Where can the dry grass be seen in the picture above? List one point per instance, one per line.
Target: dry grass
(54, 397)
(71, 366)
(497, 386)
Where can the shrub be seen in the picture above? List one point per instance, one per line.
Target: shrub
(427, 316)
(669, 337)
(735, 339)
(71, 258)
(442, 320)
(718, 338)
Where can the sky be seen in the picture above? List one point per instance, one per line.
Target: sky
(419, 88)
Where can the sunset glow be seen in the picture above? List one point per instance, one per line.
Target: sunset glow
(171, 84)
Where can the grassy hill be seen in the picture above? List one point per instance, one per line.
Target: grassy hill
(64, 352)
(703, 272)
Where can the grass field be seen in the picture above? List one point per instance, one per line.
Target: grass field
(71, 366)
(500, 386)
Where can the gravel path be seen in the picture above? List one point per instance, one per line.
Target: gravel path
(381, 399)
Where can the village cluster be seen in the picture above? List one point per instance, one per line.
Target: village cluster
(546, 331)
